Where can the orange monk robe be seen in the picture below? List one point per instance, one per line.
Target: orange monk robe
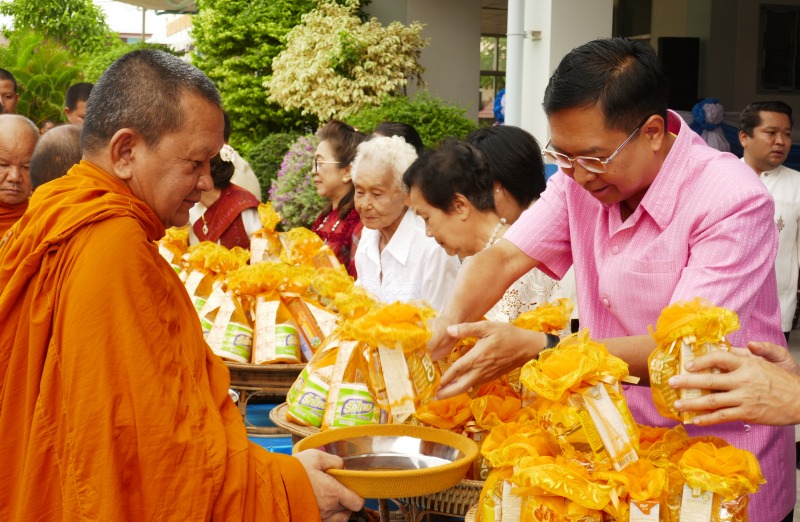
(112, 407)
(10, 214)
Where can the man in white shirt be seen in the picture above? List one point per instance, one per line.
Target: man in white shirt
(765, 132)
(395, 259)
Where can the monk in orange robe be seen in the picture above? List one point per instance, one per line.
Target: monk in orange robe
(112, 406)
(18, 136)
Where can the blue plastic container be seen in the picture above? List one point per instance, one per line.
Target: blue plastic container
(274, 443)
(258, 415)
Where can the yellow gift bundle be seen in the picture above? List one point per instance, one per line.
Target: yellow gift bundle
(400, 372)
(718, 480)
(582, 378)
(308, 395)
(303, 247)
(277, 338)
(173, 247)
(327, 282)
(685, 330)
(226, 327)
(265, 243)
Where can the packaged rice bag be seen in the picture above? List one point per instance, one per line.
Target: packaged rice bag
(309, 394)
(231, 333)
(265, 245)
(718, 481)
(350, 402)
(401, 374)
(277, 337)
(303, 247)
(310, 332)
(685, 330)
(582, 376)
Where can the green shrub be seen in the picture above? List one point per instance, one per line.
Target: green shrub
(293, 193)
(434, 119)
(266, 157)
(43, 70)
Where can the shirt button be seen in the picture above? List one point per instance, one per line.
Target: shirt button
(606, 303)
(615, 250)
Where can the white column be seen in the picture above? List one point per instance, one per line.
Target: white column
(515, 35)
(562, 25)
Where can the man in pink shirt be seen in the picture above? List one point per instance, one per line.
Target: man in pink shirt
(649, 215)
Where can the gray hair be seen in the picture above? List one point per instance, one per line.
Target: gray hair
(392, 153)
(142, 91)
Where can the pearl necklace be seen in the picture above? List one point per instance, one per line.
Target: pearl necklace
(494, 233)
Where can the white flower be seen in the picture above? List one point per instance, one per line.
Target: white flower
(226, 153)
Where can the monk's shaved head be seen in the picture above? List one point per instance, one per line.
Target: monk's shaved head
(18, 137)
(57, 151)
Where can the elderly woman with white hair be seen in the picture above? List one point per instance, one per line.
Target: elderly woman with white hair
(395, 260)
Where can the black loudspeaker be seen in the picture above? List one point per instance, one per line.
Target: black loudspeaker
(680, 58)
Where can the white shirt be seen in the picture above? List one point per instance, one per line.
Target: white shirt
(411, 266)
(784, 185)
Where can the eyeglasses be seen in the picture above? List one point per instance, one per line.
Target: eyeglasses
(596, 165)
(317, 163)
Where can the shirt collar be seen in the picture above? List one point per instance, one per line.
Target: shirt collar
(400, 244)
(662, 196)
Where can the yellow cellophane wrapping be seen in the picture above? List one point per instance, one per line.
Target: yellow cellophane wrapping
(321, 368)
(704, 327)
(271, 247)
(354, 303)
(327, 282)
(176, 240)
(561, 477)
(576, 362)
(492, 494)
(644, 483)
(303, 247)
(547, 317)
(508, 444)
(268, 217)
(447, 414)
(491, 410)
(727, 471)
(216, 258)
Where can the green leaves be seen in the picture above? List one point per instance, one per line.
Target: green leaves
(335, 65)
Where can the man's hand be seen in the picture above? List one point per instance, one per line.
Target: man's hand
(335, 501)
(761, 386)
(501, 348)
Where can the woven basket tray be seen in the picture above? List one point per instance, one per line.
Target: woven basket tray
(278, 417)
(276, 378)
(472, 514)
(455, 501)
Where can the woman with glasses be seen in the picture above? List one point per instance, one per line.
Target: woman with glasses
(339, 224)
(649, 215)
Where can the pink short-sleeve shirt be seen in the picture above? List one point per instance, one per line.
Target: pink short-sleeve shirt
(704, 228)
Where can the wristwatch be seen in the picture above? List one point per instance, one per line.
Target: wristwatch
(552, 341)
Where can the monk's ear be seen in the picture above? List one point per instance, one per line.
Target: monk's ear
(122, 150)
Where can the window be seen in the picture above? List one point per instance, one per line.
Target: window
(778, 46)
(493, 73)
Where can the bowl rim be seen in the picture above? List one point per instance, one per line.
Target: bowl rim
(468, 447)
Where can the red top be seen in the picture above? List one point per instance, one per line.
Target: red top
(341, 235)
(224, 218)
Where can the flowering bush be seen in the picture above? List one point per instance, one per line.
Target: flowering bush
(334, 65)
(293, 193)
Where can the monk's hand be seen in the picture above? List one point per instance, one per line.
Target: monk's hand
(441, 342)
(500, 349)
(335, 501)
(749, 388)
